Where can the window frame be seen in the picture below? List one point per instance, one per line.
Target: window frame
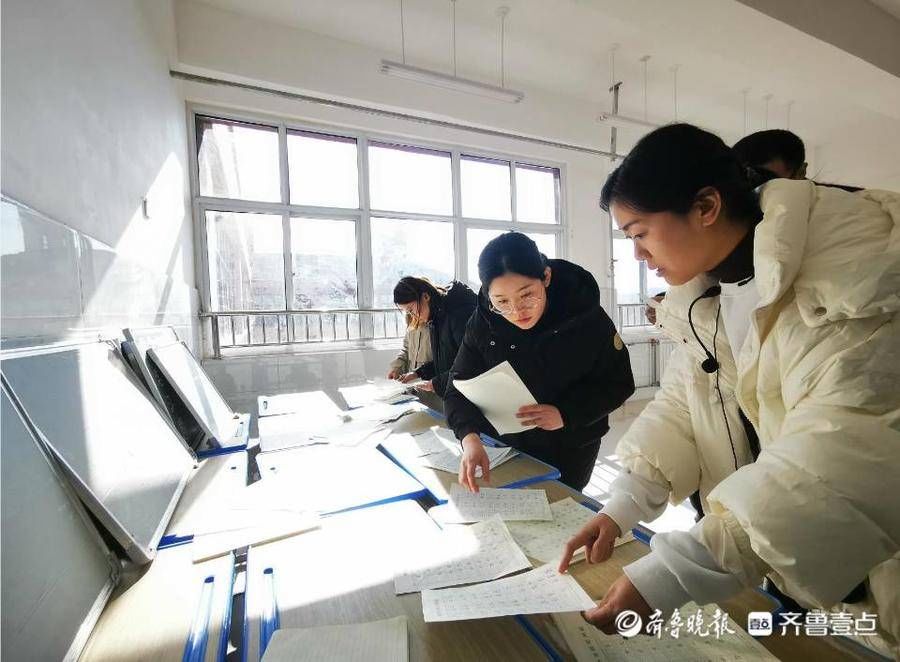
(361, 216)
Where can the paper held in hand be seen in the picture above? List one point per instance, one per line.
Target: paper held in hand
(498, 393)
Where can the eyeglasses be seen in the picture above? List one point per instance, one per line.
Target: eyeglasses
(412, 311)
(525, 303)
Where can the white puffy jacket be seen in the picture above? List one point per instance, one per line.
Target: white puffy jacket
(819, 379)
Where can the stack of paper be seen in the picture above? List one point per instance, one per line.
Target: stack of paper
(240, 527)
(315, 404)
(449, 460)
(498, 393)
(294, 430)
(589, 644)
(383, 412)
(464, 506)
(545, 541)
(462, 555)
(435, 440)
(538, 591)
(379, 390)
(378, 641)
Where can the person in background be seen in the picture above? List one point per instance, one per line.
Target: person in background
(544, 317)
(780, 152)
(415, 353)
(444, 313)
(784, 294)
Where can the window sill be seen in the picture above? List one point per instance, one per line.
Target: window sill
(310, 348)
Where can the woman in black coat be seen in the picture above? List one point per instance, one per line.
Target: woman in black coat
(544, 317)
(446, 311)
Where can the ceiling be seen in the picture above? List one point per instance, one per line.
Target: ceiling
(721, 48)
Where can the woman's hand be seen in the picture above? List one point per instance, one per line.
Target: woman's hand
(426, 386)
(394, 374)
(621, 596)
(408, 377)
(546, 417)
(473, 457)
(598, 537)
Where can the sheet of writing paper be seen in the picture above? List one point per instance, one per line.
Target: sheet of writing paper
(378, 641)
(462, 555)
(464, 506)
(449, 460)
(382, 412)
(435, 440)
(314, 404)
(545, 541)
(590, 645)
(498, 393)
(538, 591)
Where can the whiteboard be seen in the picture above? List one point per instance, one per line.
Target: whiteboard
(122, 457)
(188, 378)
(57, 574)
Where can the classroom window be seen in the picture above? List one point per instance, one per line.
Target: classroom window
(313, 228)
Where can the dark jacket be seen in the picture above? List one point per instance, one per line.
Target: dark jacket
(449, 315)
(572, 359)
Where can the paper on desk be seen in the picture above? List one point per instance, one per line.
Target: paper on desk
(384, 412)
(545, 541)
(589, 644)
(498, 393)
(434, 440)
(380, 390)
(461, 555)
(538, 591)
(251, 527)
(377, 641)
(464, 506)
(293, 430)
(449, 460)
(314, 404)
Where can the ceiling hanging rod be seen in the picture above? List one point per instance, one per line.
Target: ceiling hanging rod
(449, 81)
(389, 114)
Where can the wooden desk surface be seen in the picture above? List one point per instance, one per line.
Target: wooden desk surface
(150, 620)
(343, 573)
(596, 580)
(437, 482)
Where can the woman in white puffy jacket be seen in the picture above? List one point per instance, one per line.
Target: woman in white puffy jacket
(785, 300)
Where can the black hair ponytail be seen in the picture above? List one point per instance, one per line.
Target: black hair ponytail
(668, 167)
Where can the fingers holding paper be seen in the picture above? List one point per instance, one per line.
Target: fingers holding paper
(546, 417)
(621, 596)
(597, 537)
(474, 456)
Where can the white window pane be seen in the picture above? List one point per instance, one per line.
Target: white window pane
(324, 263)
(402, 247)
(246, 261)
(238, 160)
(627, 272)
(477, 239)
(323, 170)
(410, 180)
(655, 284)
(536, 194)
(485, 188)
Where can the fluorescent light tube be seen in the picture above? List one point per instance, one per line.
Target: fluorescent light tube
(622, 122)
(450, 82)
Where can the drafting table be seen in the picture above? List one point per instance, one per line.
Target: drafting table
(330, 479)
(52, 555)
(343, 573)
(123, 458)
(177, 610)
(517, 472)
(597, 578)
(224, 430)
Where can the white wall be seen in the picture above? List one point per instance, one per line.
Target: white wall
(92, 124)
(307, 62)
